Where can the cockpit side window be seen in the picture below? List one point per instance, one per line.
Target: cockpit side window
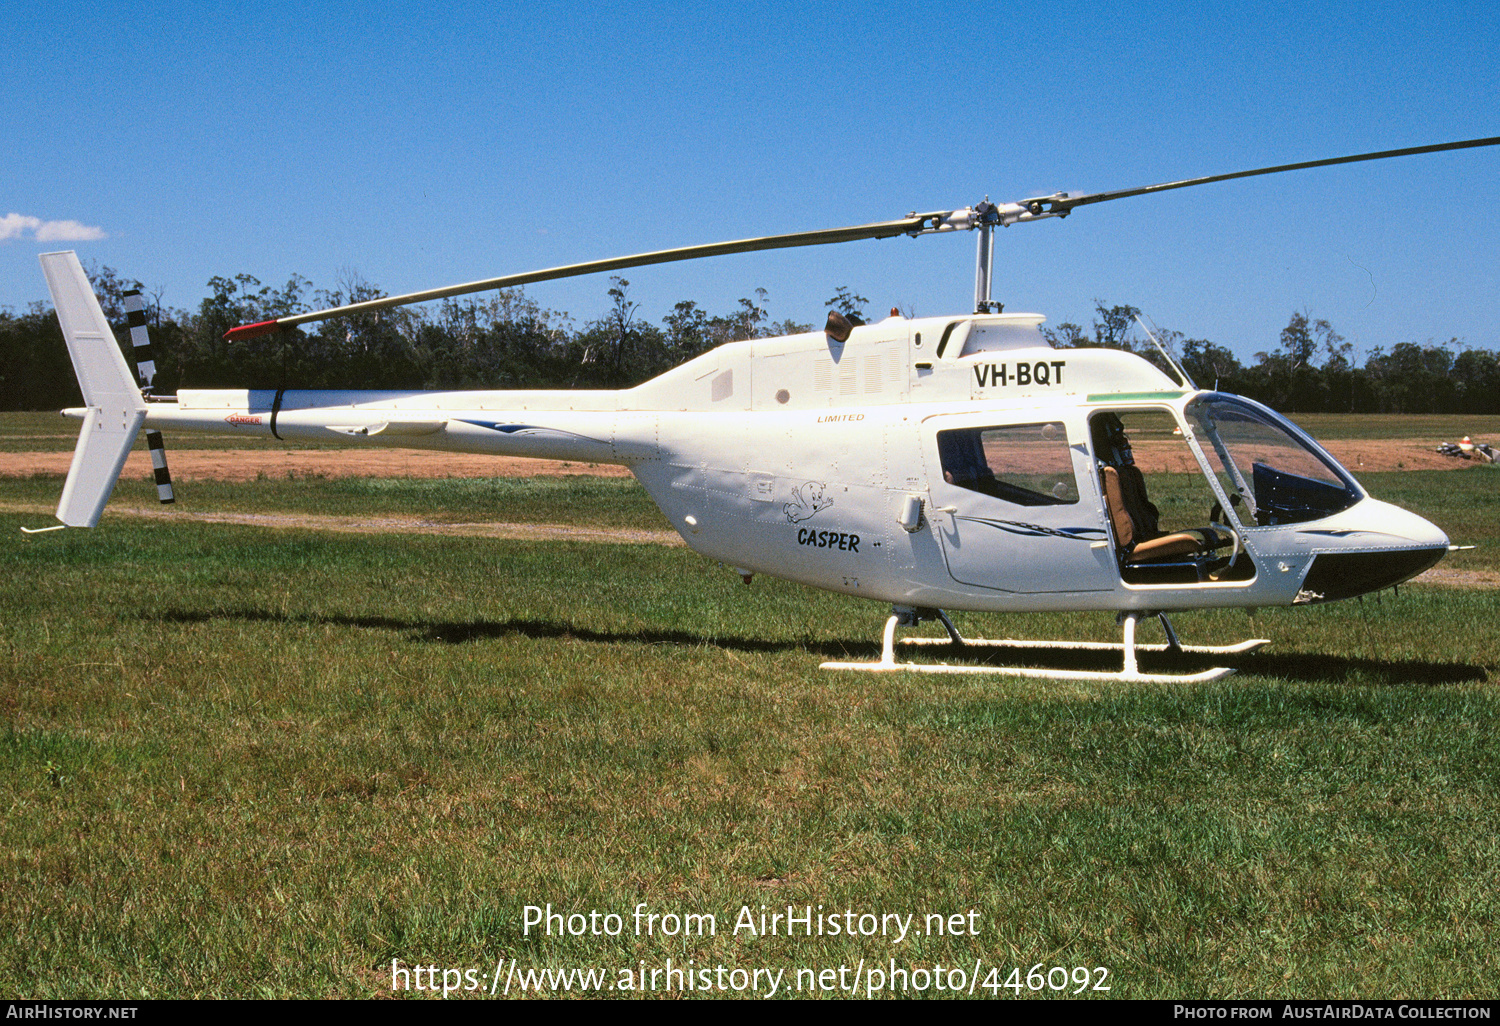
(1260, 463)
(1024, 464)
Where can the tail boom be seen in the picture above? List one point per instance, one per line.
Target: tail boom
(534, 425)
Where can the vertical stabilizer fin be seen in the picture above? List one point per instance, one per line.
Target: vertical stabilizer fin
(115, 407)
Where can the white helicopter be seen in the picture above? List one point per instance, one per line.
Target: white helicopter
(938, 463)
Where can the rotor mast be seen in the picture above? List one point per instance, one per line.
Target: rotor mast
(986, 218)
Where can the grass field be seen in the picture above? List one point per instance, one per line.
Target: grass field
(1417, 427)
(244, 762)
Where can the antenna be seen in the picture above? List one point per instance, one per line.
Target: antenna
(1166, 355)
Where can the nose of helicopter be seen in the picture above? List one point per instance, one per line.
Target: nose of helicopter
(1376, 545)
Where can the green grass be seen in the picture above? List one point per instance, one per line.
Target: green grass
(583, 500)
(1433, 428)
(247, 762)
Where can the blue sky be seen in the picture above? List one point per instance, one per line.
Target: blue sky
(424, 144)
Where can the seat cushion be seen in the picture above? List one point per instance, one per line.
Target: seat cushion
(1182, 543)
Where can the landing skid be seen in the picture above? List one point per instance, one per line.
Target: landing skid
(1131, 672)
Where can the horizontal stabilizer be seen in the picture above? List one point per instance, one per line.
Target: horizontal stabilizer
(115, 407)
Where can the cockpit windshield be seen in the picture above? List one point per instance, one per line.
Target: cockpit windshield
(1270, 474)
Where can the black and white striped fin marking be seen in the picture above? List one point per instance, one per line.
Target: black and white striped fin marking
(159, 466)
(135, 315)
(145, 369)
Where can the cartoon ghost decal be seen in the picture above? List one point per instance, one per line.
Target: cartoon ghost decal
(809, 499)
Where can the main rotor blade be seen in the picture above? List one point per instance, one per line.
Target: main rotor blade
(1061, 203)
(984, 215)
(911, 224)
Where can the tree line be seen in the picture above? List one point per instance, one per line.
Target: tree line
(1312, 368)
(506, 340)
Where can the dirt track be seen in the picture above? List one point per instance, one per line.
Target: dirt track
(379, 525)
(250, 464)
(1366, 454)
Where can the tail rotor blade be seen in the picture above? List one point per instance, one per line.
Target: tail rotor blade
(159, 467)
(145, 371)
(140, 340)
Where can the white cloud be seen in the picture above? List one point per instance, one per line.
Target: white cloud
(16, 226)
(12, 225)
(67, 231)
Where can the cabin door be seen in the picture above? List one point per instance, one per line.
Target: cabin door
(1015, 506)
